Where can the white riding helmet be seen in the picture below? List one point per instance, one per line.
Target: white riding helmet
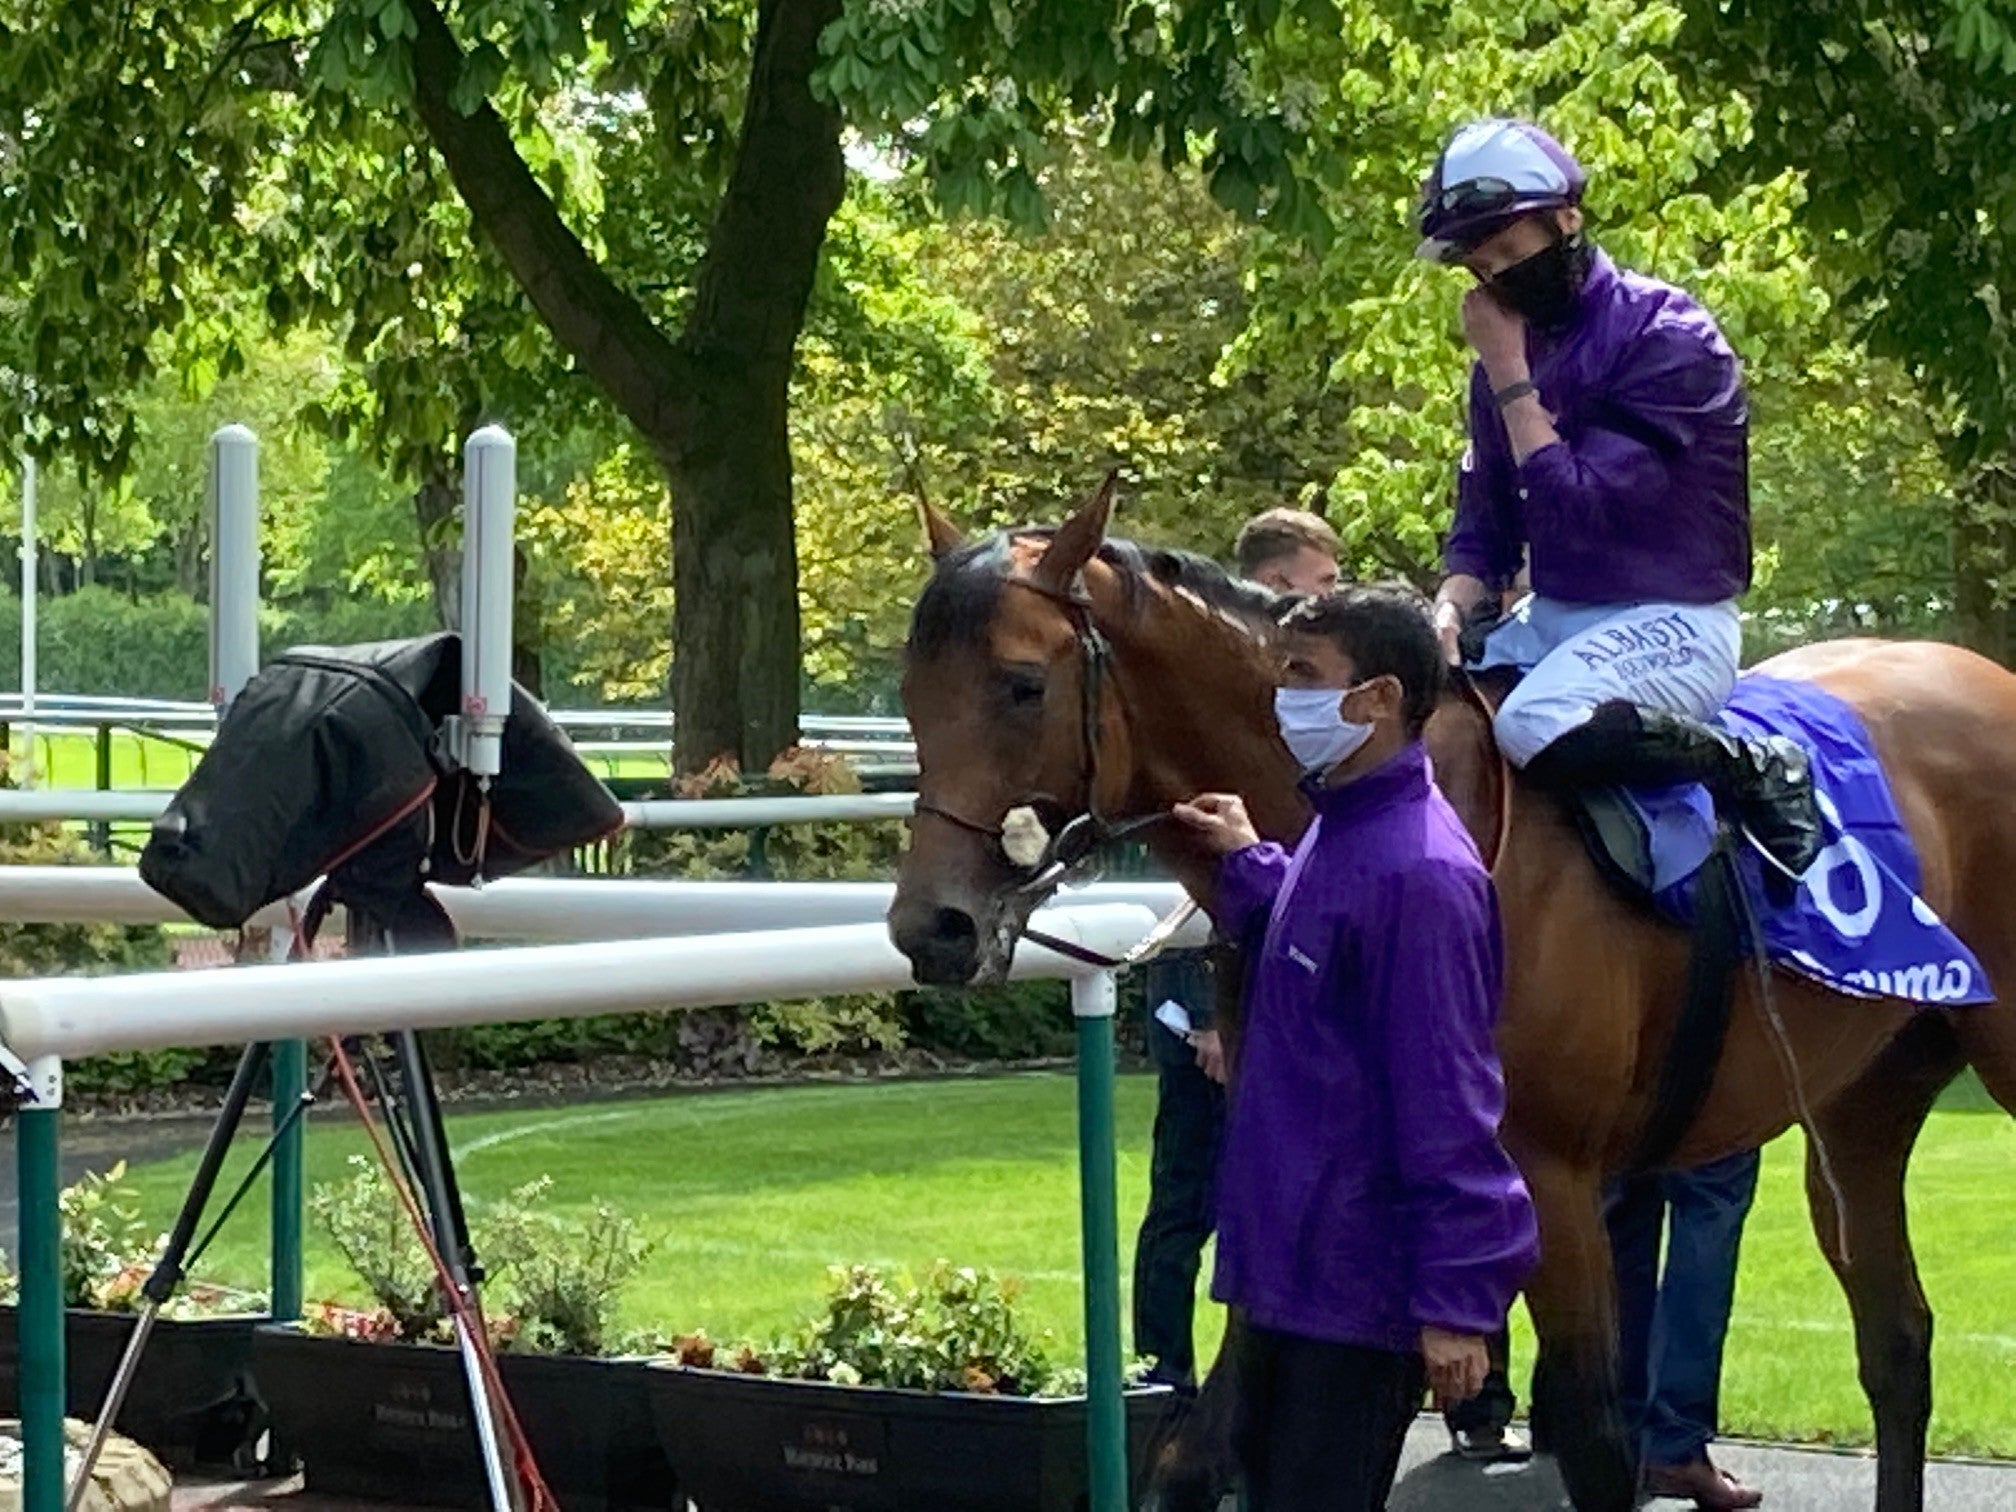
(1491, 173)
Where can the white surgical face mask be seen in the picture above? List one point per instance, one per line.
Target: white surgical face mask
(1313, 724)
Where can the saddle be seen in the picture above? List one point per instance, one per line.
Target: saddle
(1721, 938)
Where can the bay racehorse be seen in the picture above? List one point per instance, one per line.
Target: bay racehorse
(1058, 674)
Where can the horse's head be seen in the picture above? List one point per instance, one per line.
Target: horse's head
(1063, 690)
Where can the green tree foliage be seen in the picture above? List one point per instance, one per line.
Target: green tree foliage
(1000, 372)
(554, 240)
(501, 204)
(1902, 119)
(1609, 77)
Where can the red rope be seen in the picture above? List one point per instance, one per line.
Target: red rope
(461, 1305)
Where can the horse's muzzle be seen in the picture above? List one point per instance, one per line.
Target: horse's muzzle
(943, 944)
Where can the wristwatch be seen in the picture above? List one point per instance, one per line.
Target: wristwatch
(1514, 391)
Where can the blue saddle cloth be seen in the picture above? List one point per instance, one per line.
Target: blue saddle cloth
(1856, 923)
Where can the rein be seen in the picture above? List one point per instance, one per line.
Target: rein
(1470, 693)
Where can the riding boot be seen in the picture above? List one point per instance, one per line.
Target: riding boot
(1765, 783)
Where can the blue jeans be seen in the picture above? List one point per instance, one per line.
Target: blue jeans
(1671, 1326)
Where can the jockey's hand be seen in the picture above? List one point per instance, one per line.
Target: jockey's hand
(1497, 335)
(1210, 1054)
(1219, 820)
(1456, 1363)
(1449, 630)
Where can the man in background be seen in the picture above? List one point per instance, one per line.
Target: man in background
(1673, 1319)
(1289, 551)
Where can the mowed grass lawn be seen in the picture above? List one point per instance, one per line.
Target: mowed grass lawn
(751, 1195)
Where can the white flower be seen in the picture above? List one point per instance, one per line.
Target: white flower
(1003, 94)
(843, 1374)
(1023, 836)
(1297, 100)
(1238, 83)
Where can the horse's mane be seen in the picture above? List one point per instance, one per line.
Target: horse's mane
(959, 601)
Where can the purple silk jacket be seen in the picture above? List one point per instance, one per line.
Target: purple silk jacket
(1362, 1190)
(1646, 497)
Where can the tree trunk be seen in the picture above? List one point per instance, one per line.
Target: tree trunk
(1984, 548)
(87, 574)
(735, 663)
(713, 405)
(735, 576)
(528, 667)
(189, 578)
(437, 503)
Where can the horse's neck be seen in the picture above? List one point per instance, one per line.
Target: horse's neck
(1469, 770)
(1202, 718)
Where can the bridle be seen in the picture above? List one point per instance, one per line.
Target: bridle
(1084, 835)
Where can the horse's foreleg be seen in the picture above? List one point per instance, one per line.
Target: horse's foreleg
(1199, 1464)
(1869, 1129)
(1573, 1299)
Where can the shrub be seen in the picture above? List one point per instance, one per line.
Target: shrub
(108, 1253)
(98, 640)
(103, 1238)
(369, 1226)
(1016, 1021)
(560, 1276)
(955, 1330)
(88, 949)
(553, 1281)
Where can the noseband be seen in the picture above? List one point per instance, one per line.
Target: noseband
(1084, 835)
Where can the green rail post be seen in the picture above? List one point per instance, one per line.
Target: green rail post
(1093, 1003)
(101, 834)
(37, 1141)
(287, 1069)
(289, 1062)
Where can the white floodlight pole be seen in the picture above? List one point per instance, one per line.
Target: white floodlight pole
(234, 563)
(489, 510)
(29, 585)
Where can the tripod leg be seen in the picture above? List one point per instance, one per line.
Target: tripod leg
(451, 1237)
(430, 1151)
(167, 1273)
(428, 1145)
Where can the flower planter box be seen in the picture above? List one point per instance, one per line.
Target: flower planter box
(192, 1402)
(390, 1422)
(760, 1444)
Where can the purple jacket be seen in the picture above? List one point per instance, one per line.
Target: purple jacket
(1646, 499)
(1362, 1191)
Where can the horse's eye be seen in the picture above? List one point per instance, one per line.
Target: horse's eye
(1023, 690)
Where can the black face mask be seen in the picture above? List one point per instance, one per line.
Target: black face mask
(1546, 288)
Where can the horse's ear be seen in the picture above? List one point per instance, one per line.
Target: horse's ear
(940, 533)
(1078, 537)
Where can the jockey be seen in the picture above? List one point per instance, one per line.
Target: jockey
(1609, 448)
